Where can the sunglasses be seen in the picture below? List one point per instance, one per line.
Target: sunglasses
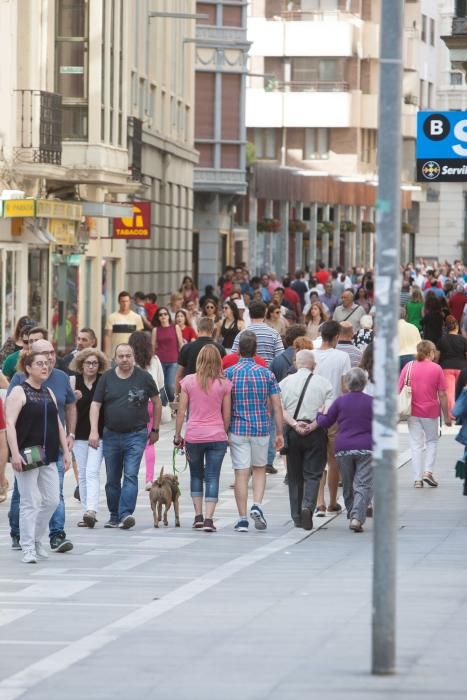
(164, 313)
(91, 363)
(210, 307)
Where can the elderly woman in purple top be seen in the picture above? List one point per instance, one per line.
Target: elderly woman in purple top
(353, 412)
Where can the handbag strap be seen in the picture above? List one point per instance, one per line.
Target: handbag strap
(302, 396)
(45, 416)
(350, 314)
(408, 374)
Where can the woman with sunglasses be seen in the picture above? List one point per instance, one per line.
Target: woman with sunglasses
(88, 364)
(33, 422)
(210, 310)
(167, 340)
(188, 332)
(274, 319)
(231, 325)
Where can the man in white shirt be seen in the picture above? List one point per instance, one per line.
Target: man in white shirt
(307, 450)
(331, 364)
(349, 311)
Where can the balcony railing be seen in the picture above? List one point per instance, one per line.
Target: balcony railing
(310, 16)
(39, 127)
(459, 25)
(307, 86)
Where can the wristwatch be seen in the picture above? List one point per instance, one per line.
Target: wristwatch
(72, 435)
(154, 430)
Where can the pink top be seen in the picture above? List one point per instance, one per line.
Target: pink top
(205, 422)
(166, 344)
(426, 380)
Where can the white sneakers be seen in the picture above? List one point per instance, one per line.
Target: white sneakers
(31, 556)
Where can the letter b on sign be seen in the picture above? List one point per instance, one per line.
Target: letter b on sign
(436, 127)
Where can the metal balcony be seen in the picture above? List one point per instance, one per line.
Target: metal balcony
(459, 25)
(135, 148)
(39, 127)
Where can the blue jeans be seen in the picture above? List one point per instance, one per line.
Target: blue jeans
(122, 453)
(57, 521)
(205, 460)
(170, 370)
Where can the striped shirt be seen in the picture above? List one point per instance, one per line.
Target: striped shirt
(269, 342)
(252, 385)
(355, 354)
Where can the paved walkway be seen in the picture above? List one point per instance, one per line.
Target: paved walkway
(277, 614)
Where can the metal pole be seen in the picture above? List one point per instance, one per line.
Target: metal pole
(386, 344)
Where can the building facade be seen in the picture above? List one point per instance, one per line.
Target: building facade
(94, 114)
(312, 108)
(220, 133)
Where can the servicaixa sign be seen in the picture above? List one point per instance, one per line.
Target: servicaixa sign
(441, 147)
(136, 226)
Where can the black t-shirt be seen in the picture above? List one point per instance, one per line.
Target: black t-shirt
(125, 401)
(189, 353)
(453, 349)
(83, 426)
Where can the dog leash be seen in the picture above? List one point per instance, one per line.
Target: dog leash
(181, 452)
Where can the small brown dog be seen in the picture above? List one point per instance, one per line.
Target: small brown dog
(164, 491)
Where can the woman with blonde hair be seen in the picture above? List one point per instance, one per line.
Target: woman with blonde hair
(429, 397)
(88, 364)
(206, 395)
(314, 318)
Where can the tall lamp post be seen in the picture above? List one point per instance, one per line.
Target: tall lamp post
(386, 342)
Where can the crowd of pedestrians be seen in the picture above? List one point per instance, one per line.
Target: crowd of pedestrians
(257, 366)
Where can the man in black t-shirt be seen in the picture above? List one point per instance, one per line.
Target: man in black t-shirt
(124, 392)
(189, 352)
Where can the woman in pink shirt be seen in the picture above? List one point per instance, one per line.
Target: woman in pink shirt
(206, 395)
(429, 397)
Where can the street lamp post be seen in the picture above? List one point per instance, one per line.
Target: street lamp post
(387, 288)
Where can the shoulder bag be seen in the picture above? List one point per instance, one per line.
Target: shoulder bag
(285, 449)
(405, 395)
(35, 456)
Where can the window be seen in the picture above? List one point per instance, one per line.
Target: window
(310, 70)
(456, 78)
(316, 144)
(424, 23)
(71, 65)
(430, 95)
(265, 143)
(232, 16)
(421, 99)
(432, 31)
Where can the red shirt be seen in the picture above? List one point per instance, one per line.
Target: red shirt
(292, 297)
(2, 417)
(456, 305)
(150, 310)
(189, 334)
(233, 358)
(322, 276)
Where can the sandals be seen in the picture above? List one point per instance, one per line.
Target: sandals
(429, 479)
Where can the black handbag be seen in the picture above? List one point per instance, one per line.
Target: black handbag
(285, 449)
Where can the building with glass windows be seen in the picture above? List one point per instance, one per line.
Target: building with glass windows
(98, 104)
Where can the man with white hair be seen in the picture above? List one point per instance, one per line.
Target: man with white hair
(303, 394)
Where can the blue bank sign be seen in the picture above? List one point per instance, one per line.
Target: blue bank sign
(441, 147)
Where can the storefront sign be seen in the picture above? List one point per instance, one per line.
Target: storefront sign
(441, 148)
(54, 209)
(64, 232)
(19, 207)
(71, 70)
(137, 226)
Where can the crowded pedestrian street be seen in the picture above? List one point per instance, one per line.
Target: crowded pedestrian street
(282, 613)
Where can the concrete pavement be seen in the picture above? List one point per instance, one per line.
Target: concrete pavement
(276, 614)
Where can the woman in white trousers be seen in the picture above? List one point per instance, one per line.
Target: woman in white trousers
(429, 398)
(35, 434)
(89, 364)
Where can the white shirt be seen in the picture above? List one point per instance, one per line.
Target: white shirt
(318, 394)
(332, 364)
